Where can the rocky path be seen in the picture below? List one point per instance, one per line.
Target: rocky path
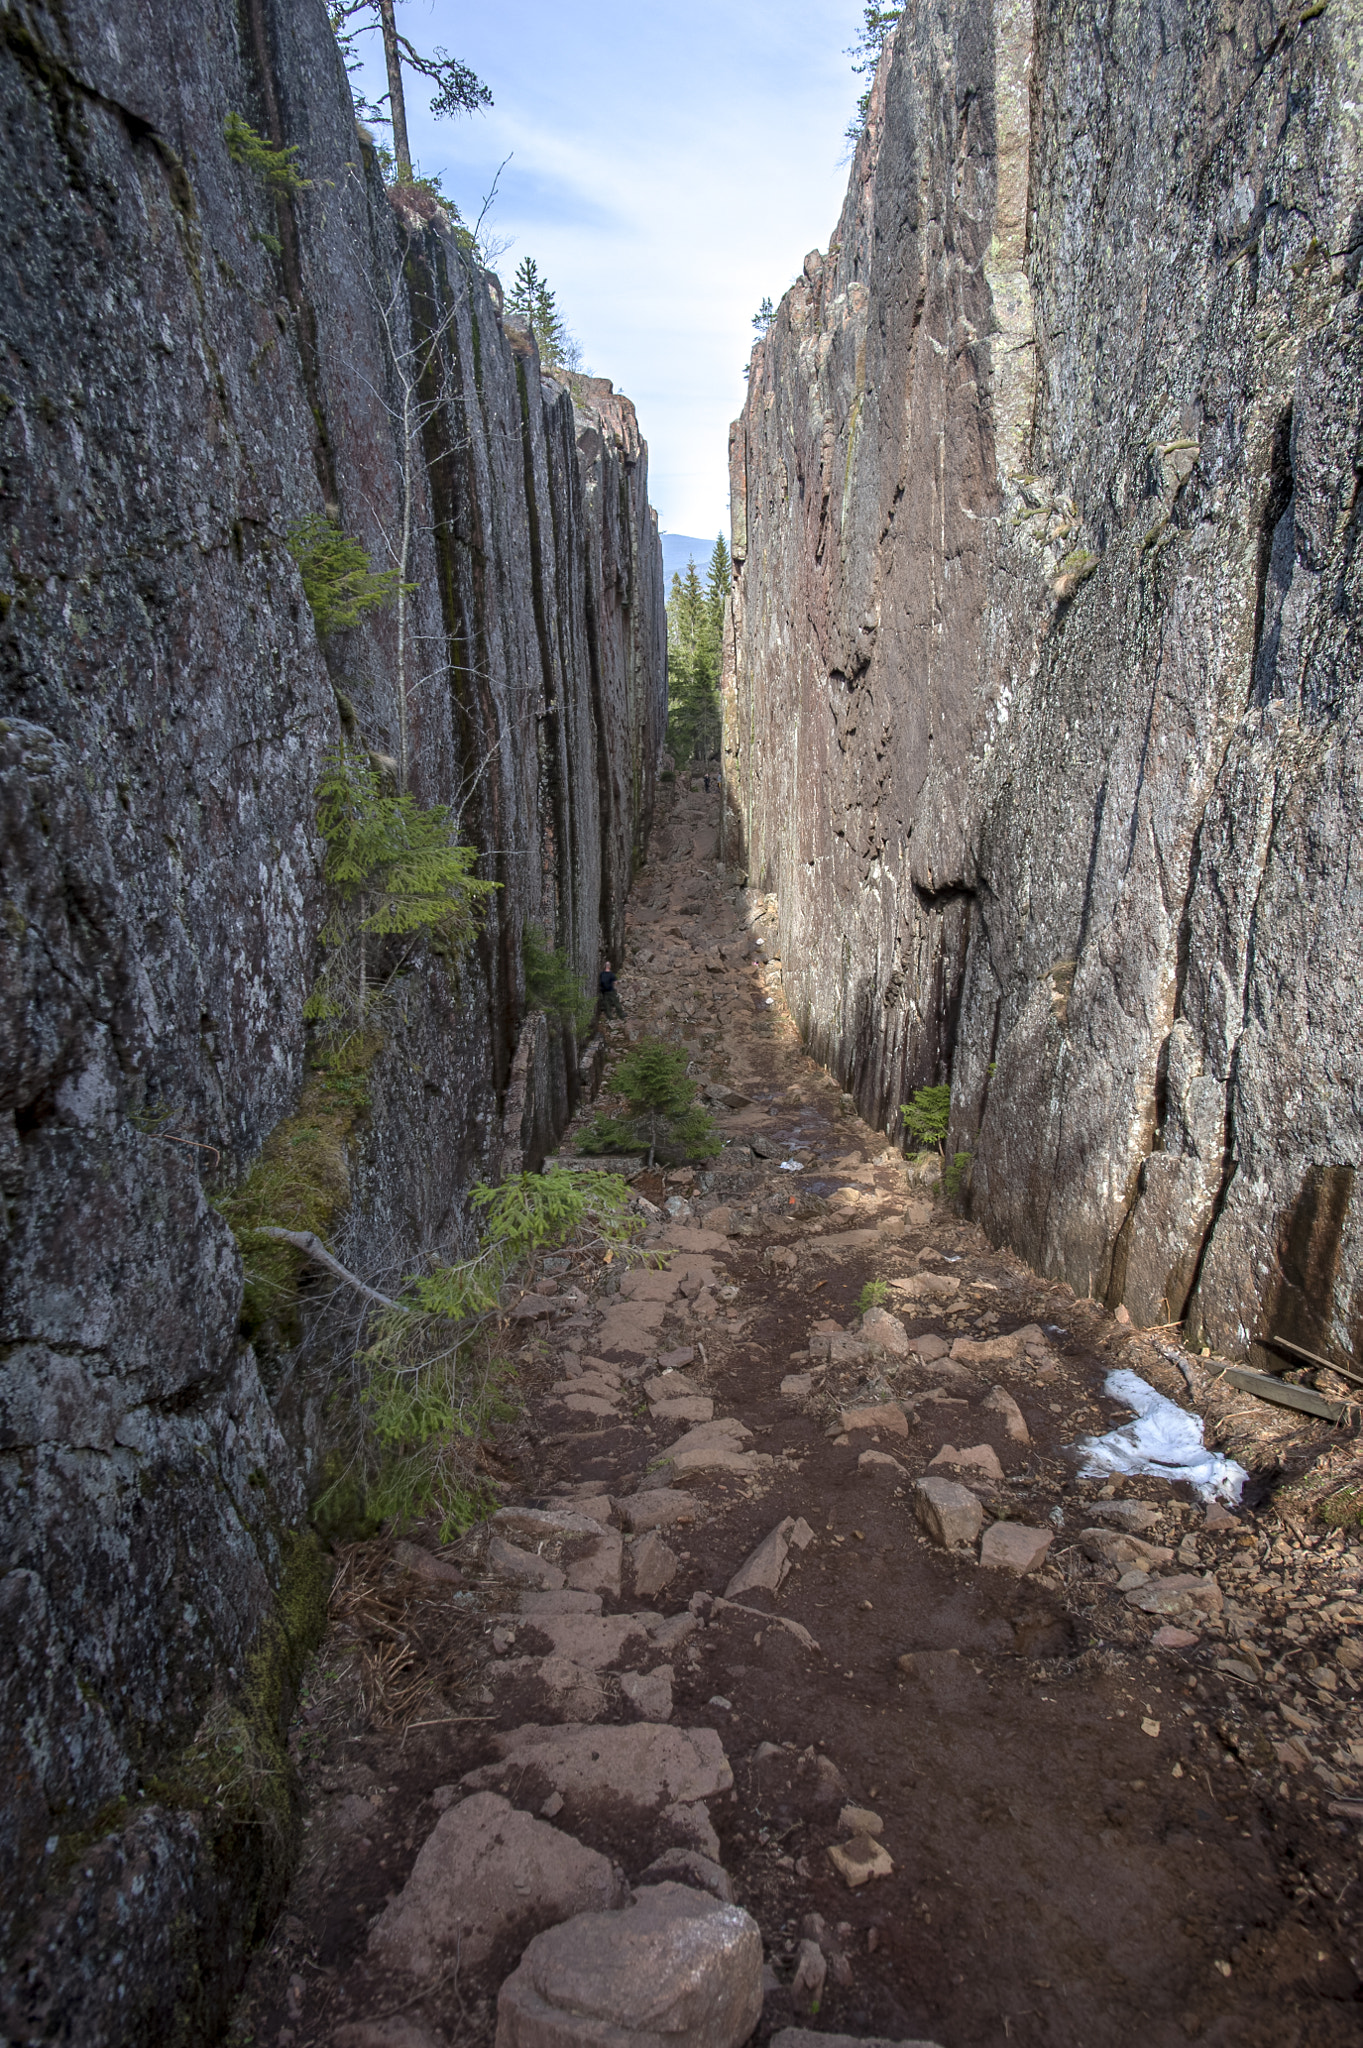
(800, 1684)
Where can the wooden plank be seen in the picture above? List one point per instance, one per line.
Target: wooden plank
(1266, 1388)
(1310, 1358)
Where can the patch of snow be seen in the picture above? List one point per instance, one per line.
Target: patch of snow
(1164, 1442)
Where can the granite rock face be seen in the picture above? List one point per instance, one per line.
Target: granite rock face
(1043, 678)
(191, 367)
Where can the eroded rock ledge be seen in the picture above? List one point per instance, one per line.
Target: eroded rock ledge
(1044, 680)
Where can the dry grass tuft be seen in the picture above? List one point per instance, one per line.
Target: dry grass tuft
(407, 1639)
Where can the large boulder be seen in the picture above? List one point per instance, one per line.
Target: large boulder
(677, 1969)
(487, 1878)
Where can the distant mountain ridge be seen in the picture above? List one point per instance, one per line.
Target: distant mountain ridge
(678, 550)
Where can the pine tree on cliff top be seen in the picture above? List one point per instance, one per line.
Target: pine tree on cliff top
(865, 54)
(457, 89)
(532, 301)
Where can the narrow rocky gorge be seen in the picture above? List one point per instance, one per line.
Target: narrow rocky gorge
(805, 1671)
(800, 1684)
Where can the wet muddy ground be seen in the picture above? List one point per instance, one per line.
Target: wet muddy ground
(1105, 1824)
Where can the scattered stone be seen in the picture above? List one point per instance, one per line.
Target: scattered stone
(563, 1602)
(928, 1287)
(559, 1687)
(688, 1866)
(796, 1385)
(929, 1345)
(413, 1558)
(1001, 1402)
(874, 1463)
(1218, 1517)
(589, 1404)
(391, 2033)
(811, 1973)
(531, 1307)
(801, 2037)
(1170, 1638)
(510, 1562)
(673, 1361)
(1012, 1546)
(643, 1766)
(674, 1966)
(1179, 1595)
(589, 1383)
(949, 1513)
(543, 1524)
(976, 1458)
(652, 1564)
(717, 1456)
(1112, 1546)
(859, 1820)
(487, 1876)
(632, 1327)
(879, 1327)
(1132, 1514)
(885, 1415)
(860, 1860)
(596, 1507)
(838, 1348)
(687, 1825)
(670, 1386)
(801, 1535)
(659, 1508)
(649, 1693)
(592, 1640)
(689, 1408)
(765, 1568)
(598, 1571)
(1004, 1350)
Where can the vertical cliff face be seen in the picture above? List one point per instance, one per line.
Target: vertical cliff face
(1044, 680)
(190, 368)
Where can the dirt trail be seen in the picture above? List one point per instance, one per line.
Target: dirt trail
(1093, 1836)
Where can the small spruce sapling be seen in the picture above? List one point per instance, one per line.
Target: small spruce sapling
(339, 581)
(396, 870)
(926, 1116)
(552, 986)
(662, 1110)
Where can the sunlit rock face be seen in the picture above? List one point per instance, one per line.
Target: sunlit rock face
(1043, 679)
(190, 369)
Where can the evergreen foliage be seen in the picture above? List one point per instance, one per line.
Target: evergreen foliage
(458, 90)
(764, 316)
(433, 1380)
(662, 1112)
(397, 871)
(695, 634)
(551, 984)
(339, 582)
(274, 166)
(926, 1115)
(877, 22)
(531, 300)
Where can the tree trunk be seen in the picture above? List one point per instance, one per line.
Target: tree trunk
(397, 106)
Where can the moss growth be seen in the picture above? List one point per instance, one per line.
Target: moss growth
(1342, 1510)
(300, 1181)
(236, 1772)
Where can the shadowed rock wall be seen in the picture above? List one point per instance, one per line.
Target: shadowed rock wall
(1043, 681)
(188, 369)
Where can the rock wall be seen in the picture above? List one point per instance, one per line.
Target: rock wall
(191, 365)
(1043, 680)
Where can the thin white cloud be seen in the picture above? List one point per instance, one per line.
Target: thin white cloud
(670, 166)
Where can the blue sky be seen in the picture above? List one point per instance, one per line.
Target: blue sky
(670, 165)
